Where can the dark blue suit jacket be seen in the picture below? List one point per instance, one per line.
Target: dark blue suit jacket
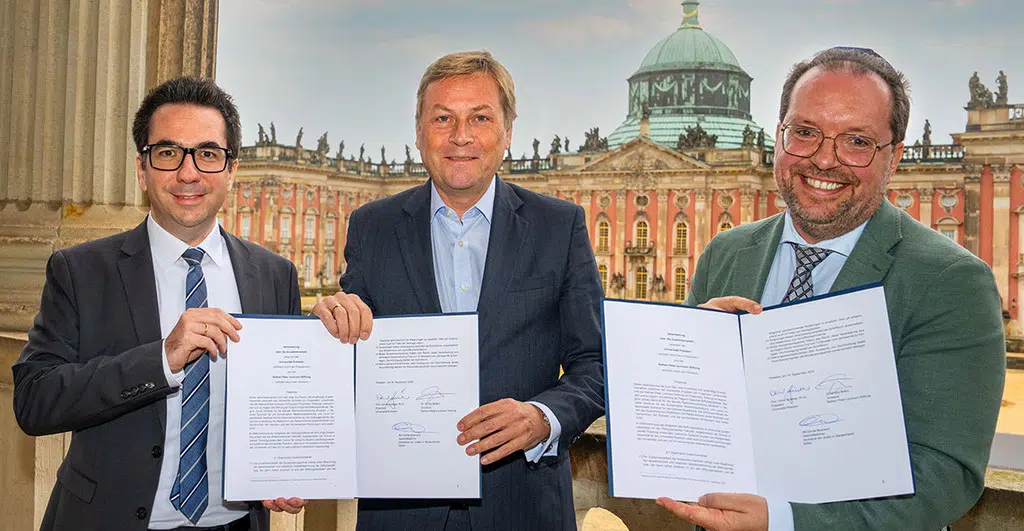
(539, 309)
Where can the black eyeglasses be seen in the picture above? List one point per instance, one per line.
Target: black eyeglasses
(851, 149)
(169, 157)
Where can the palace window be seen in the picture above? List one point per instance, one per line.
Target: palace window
(641, 234)
(329, 267)
(641, 283)
(286, 228)
(602, 236)
(680, 285)
(310, 229)
(330, 231)
(948, 232)
(681, 243)
(246, 226)
(603, 271)
(307, 266)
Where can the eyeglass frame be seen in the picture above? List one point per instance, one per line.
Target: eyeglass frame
(835, 147)
(186, 151)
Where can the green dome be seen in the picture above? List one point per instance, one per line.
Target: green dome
(690, 47)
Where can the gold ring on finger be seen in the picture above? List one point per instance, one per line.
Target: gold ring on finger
(206, 326)
(335, 307)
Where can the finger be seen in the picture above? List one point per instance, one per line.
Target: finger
(296, 504)
(218, 337)
(483, 429)
(269, 504)
(685, 511)
(743, 503)
(341, 318)
(322, 310)
(504, 450)
(352, 313)
(365, 319)
(492, 440)
(479, 414)
(732, 304)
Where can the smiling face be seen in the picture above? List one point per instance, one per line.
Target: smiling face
(462, 137)
(826, 198)
(185, 201)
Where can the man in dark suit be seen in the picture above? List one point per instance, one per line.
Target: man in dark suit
(468, 241)
(124, 350)
(839, 140)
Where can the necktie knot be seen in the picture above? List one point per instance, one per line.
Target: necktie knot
(193, 255)
(807, 258)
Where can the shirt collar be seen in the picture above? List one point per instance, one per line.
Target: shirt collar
(167, 248)
(843, 244)
(485, 205)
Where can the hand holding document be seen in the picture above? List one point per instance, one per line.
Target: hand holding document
(800, 402)
(313, 418)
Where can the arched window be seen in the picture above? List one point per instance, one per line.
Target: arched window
(602, 235)
(724, 226)
(603, 271)
(680, 285)
(641, 234)
(307, 264)
(681, 243)
(641, 282)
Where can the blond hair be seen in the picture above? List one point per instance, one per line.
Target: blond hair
(468, 63)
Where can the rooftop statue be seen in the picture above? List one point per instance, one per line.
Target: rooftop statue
(696, 137)
(362, 149)
(926, 139)
(341, 150)
(1002, 90)
(408, 155)
(760, 139)
(556, 146)
(261, 135)
(298, 139)
(593, 141)
(321, 145)
(981, 97)
(748, 137)
(273, 134)
(645, 110)
(536, 148)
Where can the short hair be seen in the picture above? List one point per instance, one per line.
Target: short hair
(468, 63)
(189, 91)
(858, 61)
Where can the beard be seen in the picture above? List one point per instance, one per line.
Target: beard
(840, 218)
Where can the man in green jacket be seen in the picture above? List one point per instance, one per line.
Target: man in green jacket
(842, 123)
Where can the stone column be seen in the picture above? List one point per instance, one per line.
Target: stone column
(1001, 233)
(972, 213)
(926, 196)
(701, 212)
(619, 249)
(746, 205)
(71, 77)
(664, 238)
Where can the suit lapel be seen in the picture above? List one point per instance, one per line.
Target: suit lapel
(138, 278)
(754, 262)
(413, 234)
(870, 259)
(508, 233)
(250, 292)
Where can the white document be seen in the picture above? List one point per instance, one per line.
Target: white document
(311, 417)
(799, 403)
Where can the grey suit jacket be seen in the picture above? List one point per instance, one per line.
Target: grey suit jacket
(947, 333)
(538, 310)
(93, 366)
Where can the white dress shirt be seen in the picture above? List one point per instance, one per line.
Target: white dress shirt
(170, 270)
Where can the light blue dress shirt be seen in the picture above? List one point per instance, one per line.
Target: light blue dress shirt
(780, 514)
(460, 251)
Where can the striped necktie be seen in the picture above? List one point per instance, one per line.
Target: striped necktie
(807, 258)
(190, 492)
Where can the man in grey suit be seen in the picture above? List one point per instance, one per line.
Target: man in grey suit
(123, 352)
(468, 241)
(840, 138)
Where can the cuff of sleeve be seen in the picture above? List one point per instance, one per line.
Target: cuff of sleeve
(780, 515)
(174, 379)
(548, 447)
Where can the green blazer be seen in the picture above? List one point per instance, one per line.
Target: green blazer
(947, 334)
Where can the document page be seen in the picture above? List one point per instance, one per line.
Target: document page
(290, 423)
(678, 423)
(417, 377)
(827, 419)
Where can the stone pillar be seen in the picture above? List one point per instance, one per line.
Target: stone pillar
(972, 212)
(746, 205)
(71, 77)
(1001, 234)
(664, 239)
(620, 231)
(701, 213)
(926, 196)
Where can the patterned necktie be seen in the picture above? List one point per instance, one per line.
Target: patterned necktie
(807, 258)
(190, 492)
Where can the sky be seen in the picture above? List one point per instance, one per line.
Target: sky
(351, 67)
